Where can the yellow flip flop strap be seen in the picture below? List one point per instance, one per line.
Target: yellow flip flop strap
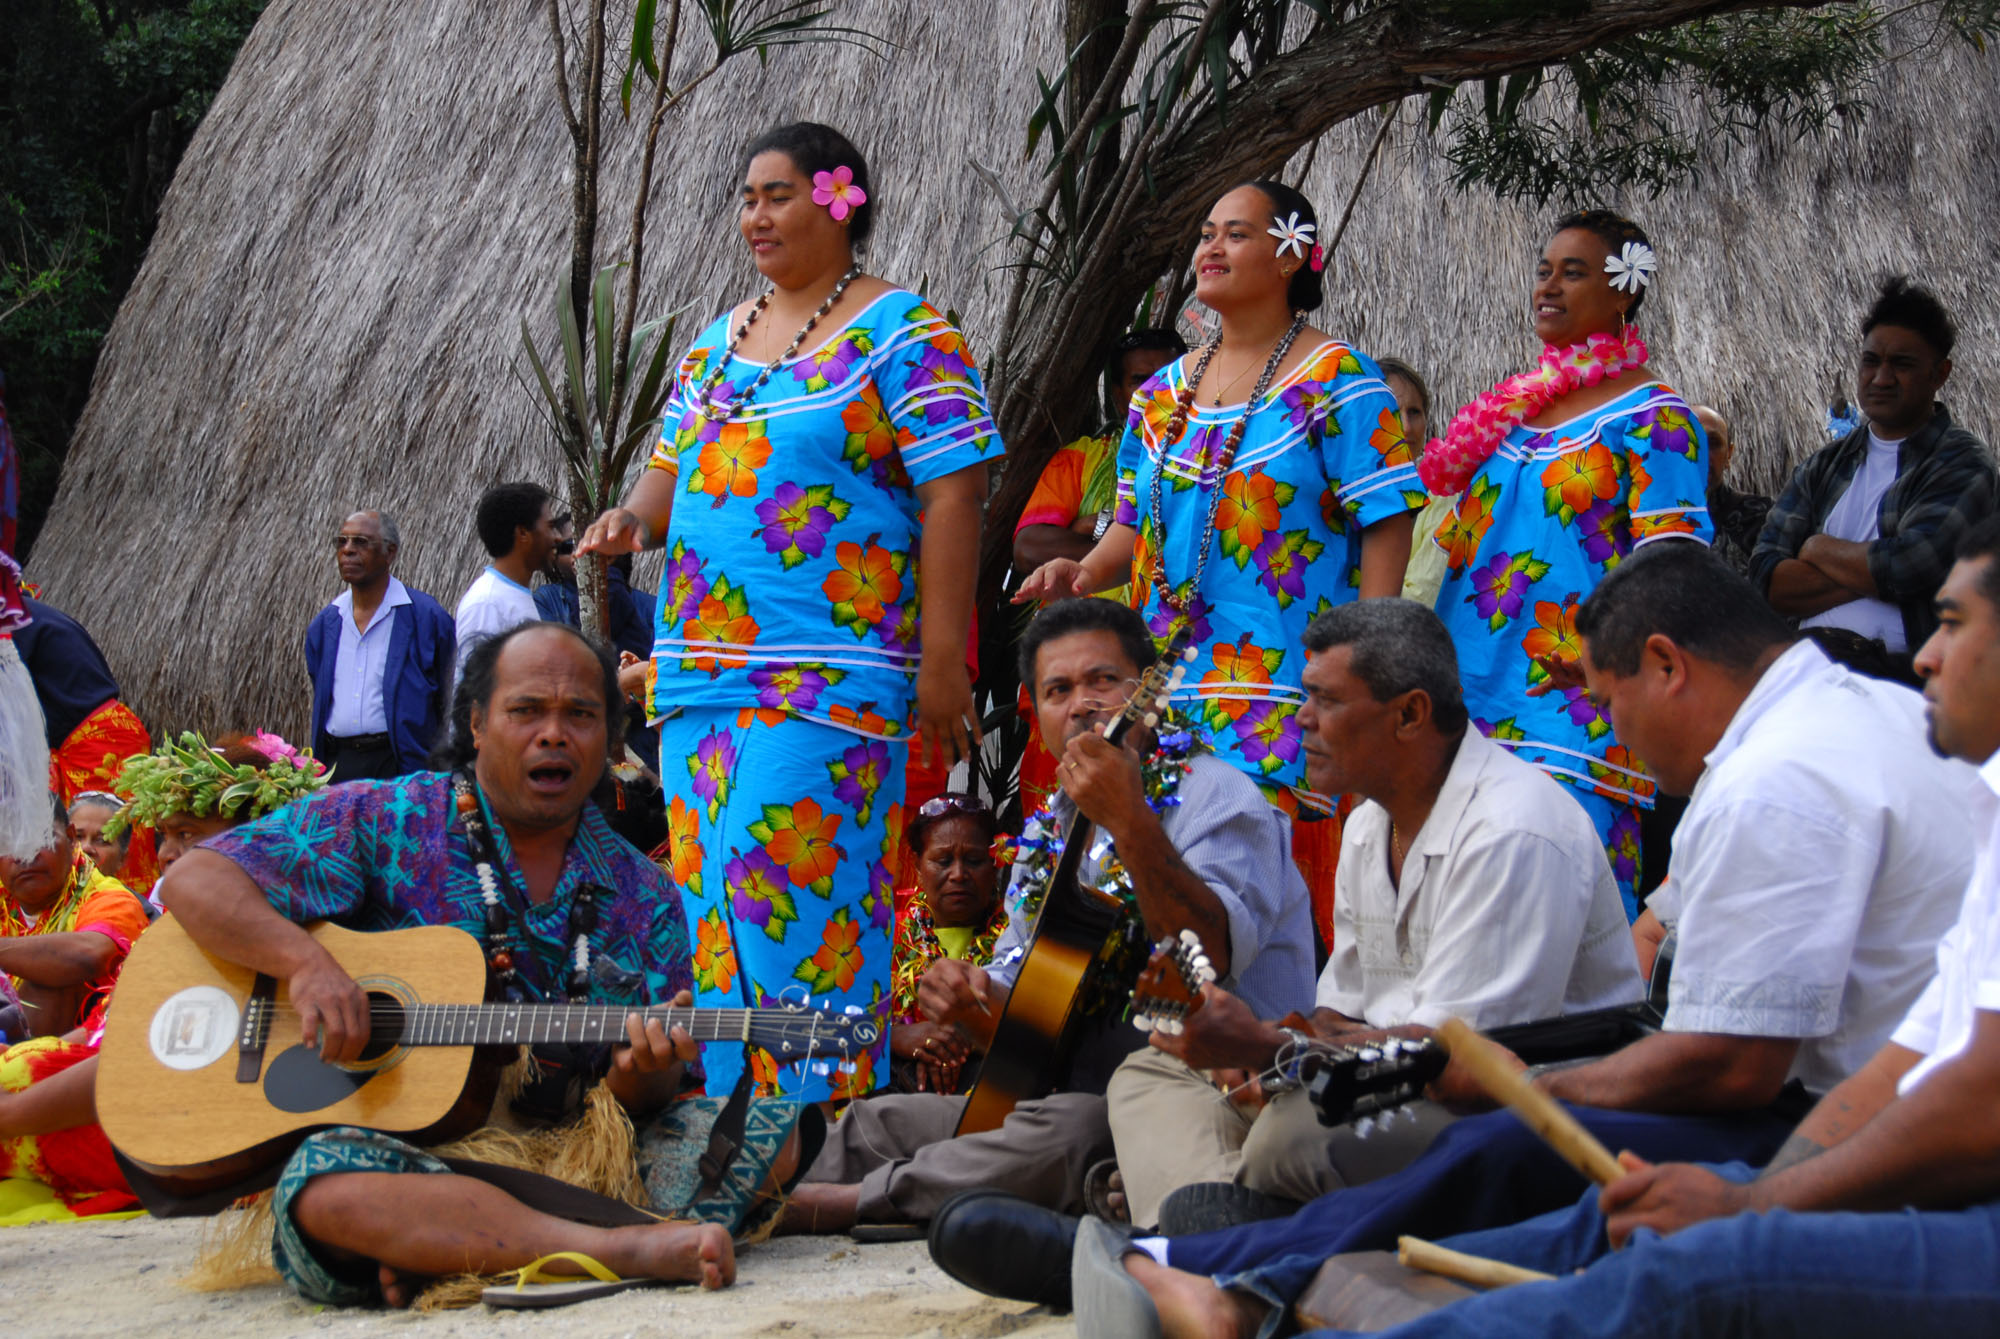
(532, 1271)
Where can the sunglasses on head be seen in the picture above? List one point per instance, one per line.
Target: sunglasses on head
(952, 804)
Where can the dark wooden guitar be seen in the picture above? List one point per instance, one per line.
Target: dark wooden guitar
(1036, 1034)
(202, 1082)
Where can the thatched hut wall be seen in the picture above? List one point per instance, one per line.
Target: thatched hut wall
(329, 313)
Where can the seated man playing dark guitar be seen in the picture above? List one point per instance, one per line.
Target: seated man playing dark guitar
(1822, 856)
(508, 847)
(1192, 845)
(1880, 1215)
(1470, 884)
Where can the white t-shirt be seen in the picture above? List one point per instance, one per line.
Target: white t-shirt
(491, 605)
(1940, 1024)
(1824, 852)
(1858, 517)
(1508, 910)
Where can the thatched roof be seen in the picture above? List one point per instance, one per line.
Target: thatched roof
(328, 314)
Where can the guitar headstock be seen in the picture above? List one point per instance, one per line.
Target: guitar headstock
(800, 1031)
(1349, 1083)
(1157, 684)
(1169, 988)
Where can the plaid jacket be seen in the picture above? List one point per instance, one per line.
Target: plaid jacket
(1945, 484)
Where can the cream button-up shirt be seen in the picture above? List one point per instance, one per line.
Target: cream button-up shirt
(1507, 910)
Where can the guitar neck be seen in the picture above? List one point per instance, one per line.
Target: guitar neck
(532, 1024)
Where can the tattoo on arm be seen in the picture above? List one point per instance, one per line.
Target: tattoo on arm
(1795, 1150)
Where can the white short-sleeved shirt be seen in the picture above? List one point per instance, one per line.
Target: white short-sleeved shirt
(491, 605)
(1939, 1025)
(1824, 852)
(1508, 910)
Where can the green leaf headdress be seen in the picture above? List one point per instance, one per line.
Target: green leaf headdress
(189, 777)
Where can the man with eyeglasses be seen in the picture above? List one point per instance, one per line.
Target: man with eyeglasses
(380, 657)
(1200, 849)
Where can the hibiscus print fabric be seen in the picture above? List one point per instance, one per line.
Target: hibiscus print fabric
(791, 580)
(1543, 520)
(782, 835)
(1323, 458)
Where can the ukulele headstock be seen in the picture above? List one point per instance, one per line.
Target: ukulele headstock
(1169, 988)
(1148, 703)
(1348, 1083)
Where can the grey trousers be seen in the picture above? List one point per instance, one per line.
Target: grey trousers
(900, 1150)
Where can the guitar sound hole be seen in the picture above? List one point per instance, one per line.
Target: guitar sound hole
(386, 1028)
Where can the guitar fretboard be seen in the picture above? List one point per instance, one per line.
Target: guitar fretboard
(533, 1024)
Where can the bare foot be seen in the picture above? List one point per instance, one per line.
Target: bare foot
(819, 1207)
(680, 1253)
(399, 1290)
(1191, 1306)
(1114, 1199)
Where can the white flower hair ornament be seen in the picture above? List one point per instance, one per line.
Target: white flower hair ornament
(1632, 268)
(1293, 236)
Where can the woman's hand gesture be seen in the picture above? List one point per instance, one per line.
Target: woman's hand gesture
(616, 532)
(1055, 579)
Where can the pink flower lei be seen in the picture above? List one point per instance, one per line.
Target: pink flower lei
(1476, 433)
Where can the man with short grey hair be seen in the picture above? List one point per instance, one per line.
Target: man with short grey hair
(380, 658)
(1470, 884)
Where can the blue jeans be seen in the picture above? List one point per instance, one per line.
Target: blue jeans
(1485, 1172)
(1773, 1276)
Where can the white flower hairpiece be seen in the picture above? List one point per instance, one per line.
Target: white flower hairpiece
(1293, 236)
(1632, 268)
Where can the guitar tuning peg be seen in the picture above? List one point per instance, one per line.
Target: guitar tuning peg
(1206, 973)
(1190, 938)
(1144, 1022)
(1364, 1127)
(1152, 718)
(1188, 654)
(1171, 1026)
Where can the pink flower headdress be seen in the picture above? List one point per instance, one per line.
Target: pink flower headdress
(1476, 433)
(836, 190)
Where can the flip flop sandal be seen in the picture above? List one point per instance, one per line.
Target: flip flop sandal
(1098, 1182)
(552, 1290)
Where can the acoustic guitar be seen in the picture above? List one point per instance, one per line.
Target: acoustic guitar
(202, 1082)
(1037, 1031)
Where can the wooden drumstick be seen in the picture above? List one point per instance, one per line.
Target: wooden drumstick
(1491, 1066)
(1416, 1253)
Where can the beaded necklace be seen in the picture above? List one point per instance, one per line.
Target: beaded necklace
(1156, 571)
(1040, 850)
(498, 937)
(720, 412)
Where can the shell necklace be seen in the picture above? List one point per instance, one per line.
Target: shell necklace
(720, 412)
(1177, 425)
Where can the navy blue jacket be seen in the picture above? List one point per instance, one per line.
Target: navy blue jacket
(416, 681)
(631, 611)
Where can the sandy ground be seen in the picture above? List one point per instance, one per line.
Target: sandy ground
(119, 1279)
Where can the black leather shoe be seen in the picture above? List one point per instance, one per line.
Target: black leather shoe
(1005, 1246)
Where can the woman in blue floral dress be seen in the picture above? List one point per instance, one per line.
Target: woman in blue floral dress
(820, 478)
(1594, 459)
(1287, 488)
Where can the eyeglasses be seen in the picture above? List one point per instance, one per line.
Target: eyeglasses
(565, 547)
(353, 542)
(952, 804)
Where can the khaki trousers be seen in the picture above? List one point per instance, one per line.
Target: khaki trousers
(1172, 1127)
(1289, 1154)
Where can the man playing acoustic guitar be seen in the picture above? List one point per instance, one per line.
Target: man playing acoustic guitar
(1198, 847)
(509, 848)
